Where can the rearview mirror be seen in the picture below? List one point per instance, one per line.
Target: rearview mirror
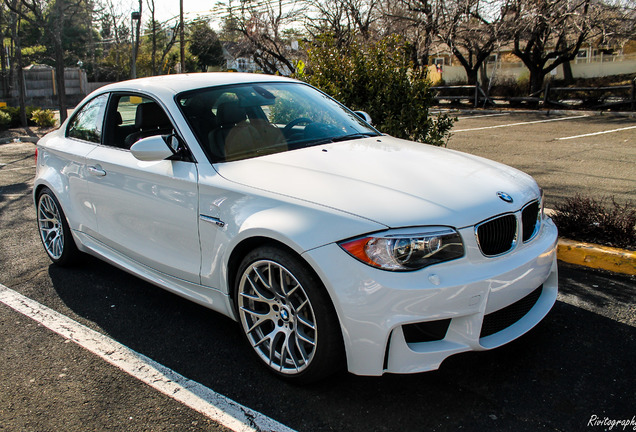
(151, 149)
(364, 116)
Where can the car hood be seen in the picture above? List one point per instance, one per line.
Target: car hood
(393, 182)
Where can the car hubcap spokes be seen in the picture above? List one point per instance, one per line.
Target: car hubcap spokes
(50, 224)
(277, 317)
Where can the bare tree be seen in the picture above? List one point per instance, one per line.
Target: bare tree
(550, 33)
(35, 11)
(330, 16)
(153, 35)
(265, 27)
(615, 22)
(345, 20)
(116, 36)
(418, 21)
(473, 29)
(15, 35)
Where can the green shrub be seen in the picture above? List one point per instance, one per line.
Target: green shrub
(14, 114)
(5, 120)
(43, 117)
(589, 220)
(382, 80)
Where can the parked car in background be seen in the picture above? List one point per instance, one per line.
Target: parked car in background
(333, 245)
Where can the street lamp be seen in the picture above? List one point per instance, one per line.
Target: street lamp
(135, 16)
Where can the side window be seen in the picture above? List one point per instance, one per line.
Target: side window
(86, 125)
(127, 108)
(133, 117)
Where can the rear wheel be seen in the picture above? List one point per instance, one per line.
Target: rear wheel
(287, 317)
(54, 230)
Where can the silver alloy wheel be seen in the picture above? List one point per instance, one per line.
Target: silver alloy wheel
(51, 228)
(277, 317)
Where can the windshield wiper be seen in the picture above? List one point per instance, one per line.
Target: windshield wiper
(354, 136)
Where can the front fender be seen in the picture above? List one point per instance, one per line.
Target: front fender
(248, 214)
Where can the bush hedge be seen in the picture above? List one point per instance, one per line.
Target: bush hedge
(381, 79)
(43, 117)
(14, 114)
(603, 221)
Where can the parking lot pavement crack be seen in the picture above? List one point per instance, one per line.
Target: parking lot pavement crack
(250, 419)
(25, 278)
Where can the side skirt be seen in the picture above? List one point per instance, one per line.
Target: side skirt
(209, 297)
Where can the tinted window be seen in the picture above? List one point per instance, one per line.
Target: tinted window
(87, 123)
(133, 117)
(250, 120)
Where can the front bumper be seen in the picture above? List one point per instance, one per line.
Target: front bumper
(374, 305)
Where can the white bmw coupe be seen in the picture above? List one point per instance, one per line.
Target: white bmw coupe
(331, 244)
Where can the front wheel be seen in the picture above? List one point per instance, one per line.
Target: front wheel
(287, 317)
(54, 230)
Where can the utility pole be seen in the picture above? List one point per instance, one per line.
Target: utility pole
(181, 36)
(135, 17)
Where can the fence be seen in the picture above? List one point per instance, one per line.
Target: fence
(619, 97)
(593, 68)
(41, 90)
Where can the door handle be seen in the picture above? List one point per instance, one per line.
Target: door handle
(96, 171)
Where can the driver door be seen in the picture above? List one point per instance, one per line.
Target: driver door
(146, 211)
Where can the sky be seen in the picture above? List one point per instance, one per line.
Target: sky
(166, 9)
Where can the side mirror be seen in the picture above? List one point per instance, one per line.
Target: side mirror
(364, 116)
(151, 149)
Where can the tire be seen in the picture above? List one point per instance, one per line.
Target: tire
(55, 233)
(291, 326)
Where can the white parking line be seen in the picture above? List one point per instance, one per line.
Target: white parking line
(482, 115)
(217, 407)
(597, 133)
(520, 124)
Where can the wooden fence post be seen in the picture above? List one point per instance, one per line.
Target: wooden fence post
(476, 94)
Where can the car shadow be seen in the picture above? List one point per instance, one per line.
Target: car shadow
(573, 365)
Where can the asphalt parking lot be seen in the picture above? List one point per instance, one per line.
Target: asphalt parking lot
(566, 153)
(578, 363)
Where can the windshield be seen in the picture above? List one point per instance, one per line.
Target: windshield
(248, 120)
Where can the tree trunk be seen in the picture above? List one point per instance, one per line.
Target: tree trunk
(567, 73)
(154, 38)
(3, 59)
(471, 75)
(483, 75)
(181, 38)
(537, 76)
(59, 60)
(18, 59)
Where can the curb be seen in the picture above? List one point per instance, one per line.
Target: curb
(596, 256)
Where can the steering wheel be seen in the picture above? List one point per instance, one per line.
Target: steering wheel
(288, 127)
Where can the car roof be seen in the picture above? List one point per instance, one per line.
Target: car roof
(167, 85)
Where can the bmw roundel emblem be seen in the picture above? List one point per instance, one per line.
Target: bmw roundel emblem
(504, 196)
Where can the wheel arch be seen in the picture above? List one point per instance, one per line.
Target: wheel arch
(36, 193)
(245, 246)
(248, 244)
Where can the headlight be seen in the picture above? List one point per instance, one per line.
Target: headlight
(406, 251)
